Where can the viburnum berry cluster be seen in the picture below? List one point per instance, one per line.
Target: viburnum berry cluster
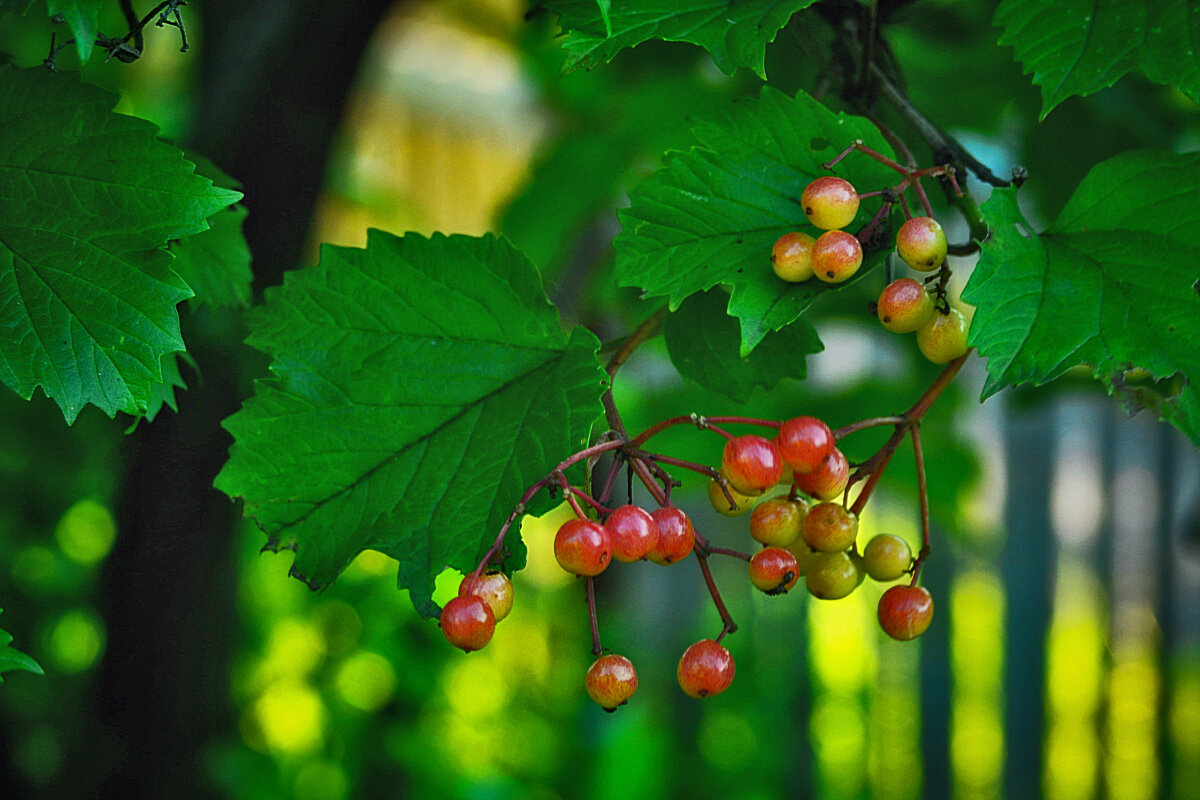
(905, 305)
(809, 529)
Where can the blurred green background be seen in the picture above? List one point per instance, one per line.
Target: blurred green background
(1064, 661)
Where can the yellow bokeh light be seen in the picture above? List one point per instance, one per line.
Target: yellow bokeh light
(86, 532)
(843, 655)
(290, 717)
(294, 649)
(366, 680)
(76, 640)
(475, 688)
(541, 568)
(370, 564)
(521, 648)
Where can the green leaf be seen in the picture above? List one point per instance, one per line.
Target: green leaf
(216, 263)
(81, 17)
(87, 294)
(419, 386)
(1112, 284)
(12, 659)
(605, 7)
(736, 34)
(19, 6)
(711, 214)
(703, 342)
(1077, 47)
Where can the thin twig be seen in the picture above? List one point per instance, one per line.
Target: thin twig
(923, 493)
(590, 584)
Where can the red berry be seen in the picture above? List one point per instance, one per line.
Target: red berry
(904, 306)
(468, 622)
(921, 242)
(791, 257)
(836, 256)
(830, 203)
(829, 480)
(774, 570)
(611, 680)
(752, 464)
(776, 522)
(830, 528)
(905, 611)
(705, 669)
(804, 442)
(494, 588)
(633, 532)
(676, 537)
(583, 547)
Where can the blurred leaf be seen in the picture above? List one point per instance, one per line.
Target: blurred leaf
(12, 659)
(703, 342)
(1077, 47)
(711, 214)
(1112, 283)
(81, 17)
(420, 385)
(736, 34)
(18, 6)
(216, 263)
(91, 199)
(605, 7)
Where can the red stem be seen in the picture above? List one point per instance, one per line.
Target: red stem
(923, 494)
(703, 423)
(590, 585)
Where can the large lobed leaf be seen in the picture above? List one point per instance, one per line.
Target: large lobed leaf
(1112, 283)
(419, 386)
(704, 344)
(88, 199)
(12, 659)
(735, 34)
(1077, 47)
(711, 214)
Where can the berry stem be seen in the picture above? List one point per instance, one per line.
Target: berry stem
(923, 494)
(873, 422)
(725, 551)
(703, 469)
(590, 585)
(728, 625)
(702, 423)
(611, 480)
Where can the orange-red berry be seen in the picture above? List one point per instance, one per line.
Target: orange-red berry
(611, 680)
(705, 669)
(468, 622)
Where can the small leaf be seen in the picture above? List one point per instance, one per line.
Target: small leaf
(12, 659)
(1109, 284)
(711, 215)
(419, 387)
(82, 18)
(216, 263)
(87, 294)
(703, 342)
(736, 34)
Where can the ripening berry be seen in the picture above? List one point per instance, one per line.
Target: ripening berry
(832, 576)
(633, 532)
(611, 680)
(830, 528)
(494, 588)
(676, 537)
(583, 547)
(836, 256)
(468, 622)
(705, 669)
(788, 475)
(804, 442)
(905, 612)
(791, 257)
(804, 554)
(886, 557)
(751, 464)
(830, 203)
(944, 337)
(921, 242)
(741, 502)
(776, 522)
(829, 480)
(774, 570)
(904, 306)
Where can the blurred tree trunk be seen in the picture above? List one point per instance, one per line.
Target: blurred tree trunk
(274, 77)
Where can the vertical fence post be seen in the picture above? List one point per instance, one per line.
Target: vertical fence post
(1028, 569)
